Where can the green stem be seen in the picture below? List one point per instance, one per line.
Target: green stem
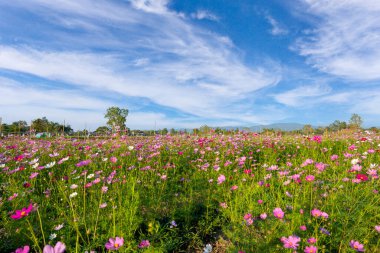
(42, 230)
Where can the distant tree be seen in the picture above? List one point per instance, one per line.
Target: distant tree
(164, 131)
(41, 125)
(337, 125)
(102, 130)
(116, 117)
(205, 129)
(356, 121)
(307, 129)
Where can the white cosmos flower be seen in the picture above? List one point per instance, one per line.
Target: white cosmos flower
(72, 195)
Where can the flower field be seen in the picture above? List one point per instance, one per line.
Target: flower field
(243, 192)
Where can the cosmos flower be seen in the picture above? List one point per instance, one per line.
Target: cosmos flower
(144, 244)
(22, 213)
(58, 248)
(114, 243)
(24, 249)
(357, 246)
(278, 213)
(290, 242)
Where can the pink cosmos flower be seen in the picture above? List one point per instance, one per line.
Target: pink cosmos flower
(22, 213)
(144, 244)
(233, 188)
(377, 228)
(303, 228)
(24, 249)
(114, 243)
(309, 178)
(58, 248)
(263, 216)
(221, 179)
(311, 240)
(317, 138)
(113, 159)
(290, 242)
(357, 246)
(316, 213)
(278, 213)
(334, 157)
(310, 249)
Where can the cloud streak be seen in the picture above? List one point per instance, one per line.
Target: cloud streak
(345, 41)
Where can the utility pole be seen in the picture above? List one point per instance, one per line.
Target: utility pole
(1, 126)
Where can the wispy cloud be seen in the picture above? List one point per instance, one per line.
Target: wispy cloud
(345, 41)
(137, 49)
(303, 95)
(204, 14)
(276, 27)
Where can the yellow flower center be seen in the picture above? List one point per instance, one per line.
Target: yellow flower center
(23, 213)
(116, 245)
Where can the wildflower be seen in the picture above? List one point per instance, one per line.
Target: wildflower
(223, 205)
(33, 175)
(325, 231)
(207, 249)
(357, 246)
(310, 249)
(90, 175)
(130, 148)
(144, 244)
(173, 224)
(24, 249)
(221, 179)
(263, 216)
(362, 177)
(260, 201)
(104, 189)
(58, 227)
(311, 240)
(58, 248)
(52, 236)
(290, 242)
(316, 213)
(103, 205)
(303, 228)
(278, 213)
(233, 188)
(72, 195)
(73, 186)
(317, 138)
(22, 213)
(309, 178)
(114, 243)
(113, 159)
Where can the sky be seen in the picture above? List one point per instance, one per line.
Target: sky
(187, 63)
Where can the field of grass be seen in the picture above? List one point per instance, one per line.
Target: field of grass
(244, 192)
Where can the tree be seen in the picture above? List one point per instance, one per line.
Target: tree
(337, 125)
(116, 117)
(102, 130)
(356, 121)
(307, 129)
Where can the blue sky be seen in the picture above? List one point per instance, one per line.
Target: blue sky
(185, 63)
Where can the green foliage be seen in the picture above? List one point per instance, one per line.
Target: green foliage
(116, 117)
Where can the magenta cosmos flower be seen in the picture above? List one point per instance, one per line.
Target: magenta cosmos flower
(144, 244)
(357, 246)
(311, 249)
(278, 213)
(115, 243)
(22, 213)
(24, 249)
(290, 242)
(58, 248)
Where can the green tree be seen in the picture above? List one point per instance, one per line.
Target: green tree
(337, 125)
(102, 130)
(116, 117)
(356, 121)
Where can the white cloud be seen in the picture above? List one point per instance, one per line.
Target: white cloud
(303, 95)
(155, 54)
(204, 14)
(153, 6)
(346, 38)
(277, 28)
